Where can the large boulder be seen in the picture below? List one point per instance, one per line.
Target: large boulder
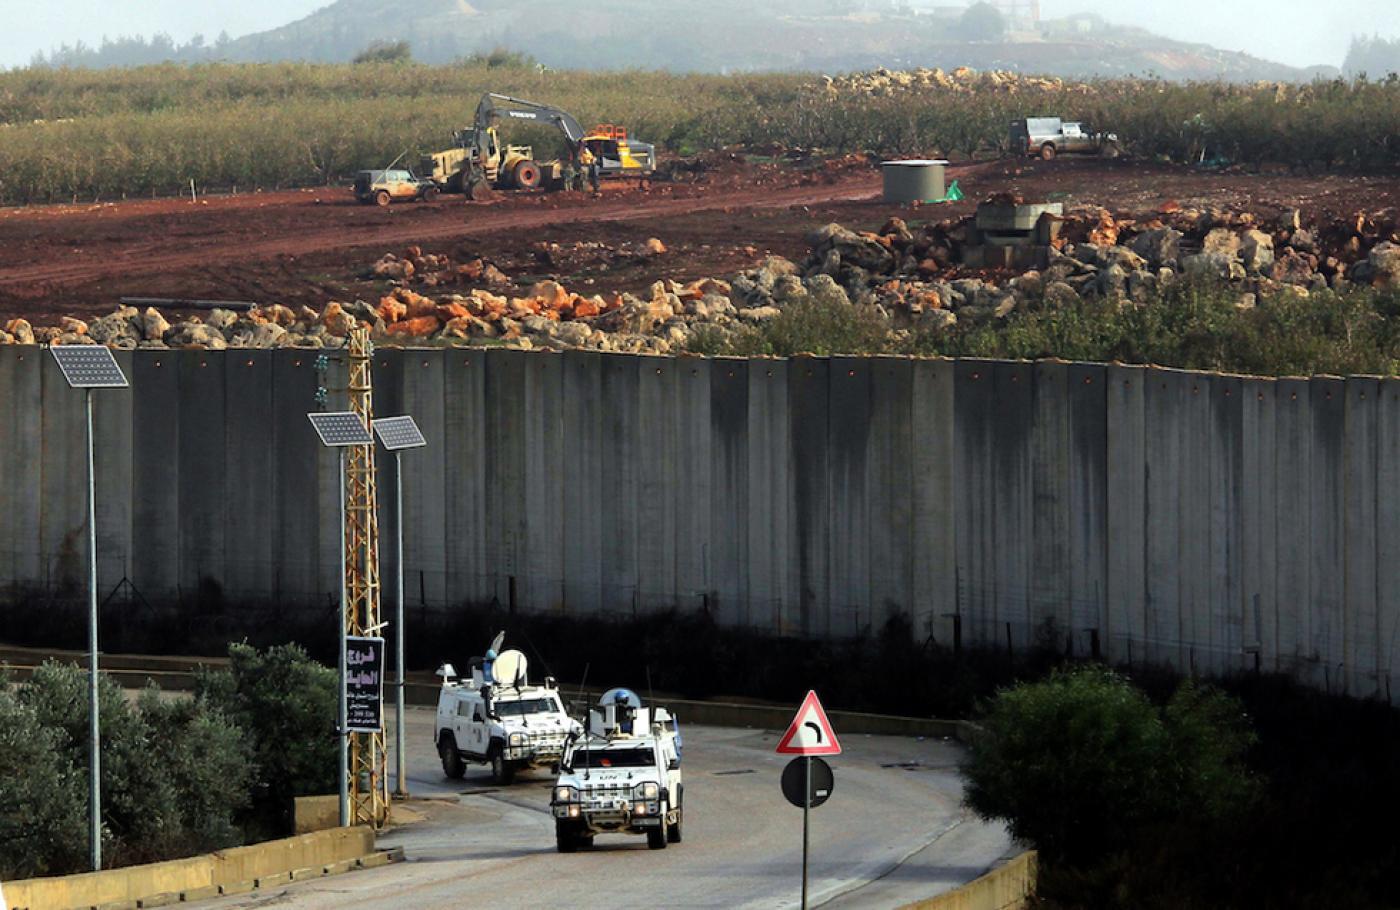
(1221, 240)
(118, 326)
(1256, 251)
(21, 331)
(195, 335)
(1159, 246)
(1385, 264)
(153, 325)
(1221, 266)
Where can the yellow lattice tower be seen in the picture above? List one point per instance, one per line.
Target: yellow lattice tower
(369, 782)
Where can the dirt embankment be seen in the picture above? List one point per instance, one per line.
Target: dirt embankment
(724, 215)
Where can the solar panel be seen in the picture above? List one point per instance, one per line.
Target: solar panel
(89, 366)
(340, 428)
(399, 433)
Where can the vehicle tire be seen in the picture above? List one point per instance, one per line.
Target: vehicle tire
(382, 198)
(430, 194)
(452, 764)
(502, 771)
(673, 832)
(656, 838)
(527, 175)
(566, 839)
(1047, 152)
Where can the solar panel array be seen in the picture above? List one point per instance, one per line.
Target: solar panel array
(89, 366)
(399, 433)
(340, 428)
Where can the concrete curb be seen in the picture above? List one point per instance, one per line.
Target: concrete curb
(234, 871)
(1007, 887)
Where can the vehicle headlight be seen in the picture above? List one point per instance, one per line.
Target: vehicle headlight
(517, 739)
(565, 794)
(648, 790)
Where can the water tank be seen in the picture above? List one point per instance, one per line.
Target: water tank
(916, 180)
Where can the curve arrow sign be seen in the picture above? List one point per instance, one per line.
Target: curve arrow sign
(810, 732)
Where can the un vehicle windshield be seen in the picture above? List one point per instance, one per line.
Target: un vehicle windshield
(523, 706)
(613, 758)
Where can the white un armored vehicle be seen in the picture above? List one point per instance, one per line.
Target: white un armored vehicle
(495, 716)
(623, 776)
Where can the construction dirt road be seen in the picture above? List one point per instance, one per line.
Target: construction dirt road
(311, 246)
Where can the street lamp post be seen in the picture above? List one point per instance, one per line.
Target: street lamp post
(89, 367)
(397, 434)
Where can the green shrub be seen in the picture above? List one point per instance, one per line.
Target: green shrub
(174, 774)
(1081, 763)
(43, 826)
(287, 704)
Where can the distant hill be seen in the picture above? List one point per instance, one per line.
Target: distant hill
(709, 36)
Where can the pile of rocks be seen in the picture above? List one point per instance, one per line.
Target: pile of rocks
(884, 82)
(909, 276)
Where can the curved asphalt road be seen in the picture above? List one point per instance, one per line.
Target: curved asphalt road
(893, 832)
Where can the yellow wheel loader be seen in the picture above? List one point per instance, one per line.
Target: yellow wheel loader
(478, 162)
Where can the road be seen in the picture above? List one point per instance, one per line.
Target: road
(894, 831)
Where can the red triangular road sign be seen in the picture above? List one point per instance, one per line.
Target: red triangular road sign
(810, 732)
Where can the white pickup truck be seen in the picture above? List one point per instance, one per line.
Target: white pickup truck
(621, 777)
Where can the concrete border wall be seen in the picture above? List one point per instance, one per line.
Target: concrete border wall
(1211, 522)
(197, 877)
(1007, 887)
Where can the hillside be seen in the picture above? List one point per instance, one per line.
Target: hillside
(707, 36)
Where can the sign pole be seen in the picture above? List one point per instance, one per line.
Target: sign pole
(806, 813)
(343, 723)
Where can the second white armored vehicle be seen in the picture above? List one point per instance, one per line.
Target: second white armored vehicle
(496, 717)
(623, 776)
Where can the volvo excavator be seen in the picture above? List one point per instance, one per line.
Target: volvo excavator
(478, 162)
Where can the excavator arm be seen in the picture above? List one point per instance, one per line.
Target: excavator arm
(494, 105)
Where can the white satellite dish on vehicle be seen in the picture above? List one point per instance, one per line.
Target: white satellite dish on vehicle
(509, 669)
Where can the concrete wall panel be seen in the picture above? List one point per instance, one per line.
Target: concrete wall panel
(543, 582)
(1087, 458)
(974, 506)
(934, 582)
(583, 470)
(1228, 613)
(1194, 520)
(249, 472)
(889, 479)
(1164, 408)
(1327, 535)
(621, 443)
(155, 564)
(770, 606)
(847, 456)
(809, 388)
(692, 486)
(656, 477)
(1125, 621)
(1051, 598)
(1259, 501)
(729, 464)
(1292, 526)
(21, 438)
(465, 464)
(1388, 536)
(505, 473)
(204, 501)
(1359, 630)
(1013, 496)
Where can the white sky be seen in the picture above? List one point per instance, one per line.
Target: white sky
(1298, 32)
